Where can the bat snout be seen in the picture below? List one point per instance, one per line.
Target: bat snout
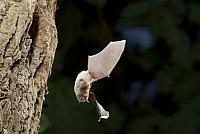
(82, 98)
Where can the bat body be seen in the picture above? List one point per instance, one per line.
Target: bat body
(100, 65)
(82, 86)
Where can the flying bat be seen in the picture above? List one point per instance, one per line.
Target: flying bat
(100, 65)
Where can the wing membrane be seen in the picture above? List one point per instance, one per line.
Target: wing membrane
(101, 64)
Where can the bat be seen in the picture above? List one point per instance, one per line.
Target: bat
(100, 65)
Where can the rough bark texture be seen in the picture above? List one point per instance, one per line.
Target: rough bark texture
(28, 39)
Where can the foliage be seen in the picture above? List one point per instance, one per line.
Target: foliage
(173, 61)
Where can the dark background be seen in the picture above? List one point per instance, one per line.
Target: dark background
(155, 87)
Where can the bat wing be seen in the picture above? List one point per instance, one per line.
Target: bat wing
(101, 64)
(103, 114)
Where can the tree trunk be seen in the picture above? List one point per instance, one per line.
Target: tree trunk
(28, 40)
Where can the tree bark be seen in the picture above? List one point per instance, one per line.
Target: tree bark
(28, 40)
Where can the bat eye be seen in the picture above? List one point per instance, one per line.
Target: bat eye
(81, 80)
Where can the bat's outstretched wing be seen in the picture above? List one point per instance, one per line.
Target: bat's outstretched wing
(101, 64)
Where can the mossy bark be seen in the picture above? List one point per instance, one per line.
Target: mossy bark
(28, 40)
